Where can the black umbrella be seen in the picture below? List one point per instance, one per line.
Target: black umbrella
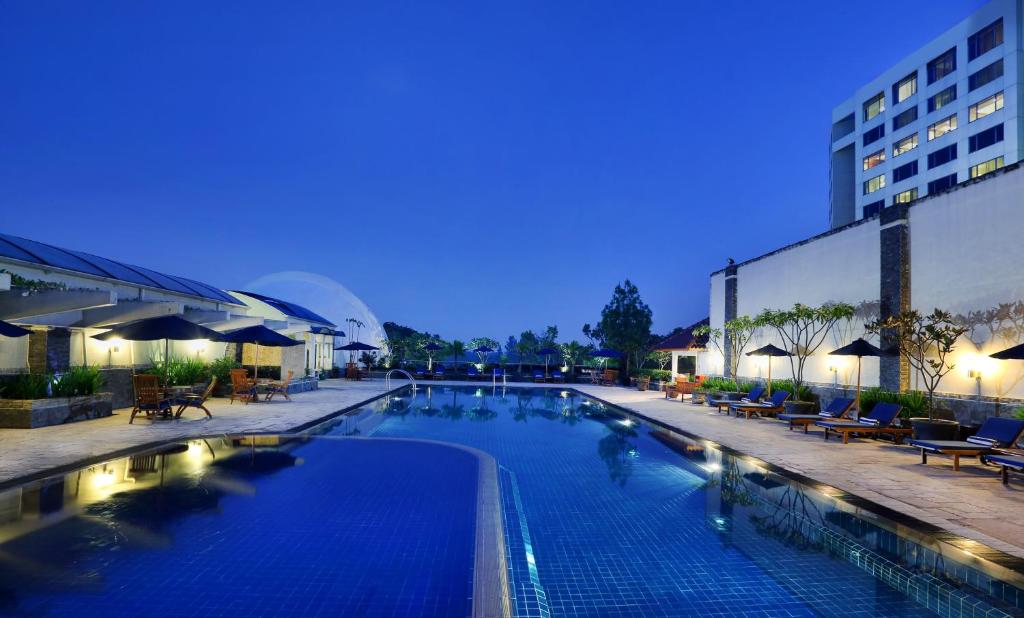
(259, 335)
(769, 351)
(356, 346)
(166, 327)
(860, 349)
(10, 330)
(1014, 353)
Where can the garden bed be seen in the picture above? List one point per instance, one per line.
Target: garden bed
(32, 413)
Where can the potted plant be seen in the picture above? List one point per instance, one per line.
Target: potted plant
(803, 329)
(927, 342)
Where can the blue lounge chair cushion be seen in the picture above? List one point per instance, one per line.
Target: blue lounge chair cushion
(801, 417)
(939, 446)
(998, 431)
(882, 415)
(837, 408)
(1015, 462)
(556, 374)
(755, 393)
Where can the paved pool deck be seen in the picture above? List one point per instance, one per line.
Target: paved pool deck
(972, 503)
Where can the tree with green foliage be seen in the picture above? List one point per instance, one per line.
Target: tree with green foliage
(594, 335)
(803, 329)
(738, 332)
(572, 352)
(926, 341)
(549, 338)
(626, 323)
(480, 342)
(526, 346)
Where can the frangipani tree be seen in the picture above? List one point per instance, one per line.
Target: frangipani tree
(803, 329)
(926, 341)
(738, 332)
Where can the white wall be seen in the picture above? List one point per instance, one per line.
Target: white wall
(967, 252)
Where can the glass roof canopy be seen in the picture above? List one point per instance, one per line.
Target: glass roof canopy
(289, 309)
(43, 254)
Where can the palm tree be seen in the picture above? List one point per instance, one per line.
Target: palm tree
(457, 349)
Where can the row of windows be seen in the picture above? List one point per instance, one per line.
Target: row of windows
(941, 156)
(987, 38)
(938, 129)
(936, 186)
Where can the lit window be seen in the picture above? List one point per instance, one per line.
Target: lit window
(983, 76)
(986, 138)
(906, 144)
(942, 99)
(874, 184)
(942, 66)
(942, 127)
(989, 37)
(874, 106)
(905, 196)
(873, 159)
(987, 167)
(905, 88)
(985, 107)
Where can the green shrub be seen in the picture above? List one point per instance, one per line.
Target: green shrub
(805, 393)
(77, 382)
(27, 386)
(915, 404)
(655, 374)
(181, 371)
(221, 369)
(1019, 413)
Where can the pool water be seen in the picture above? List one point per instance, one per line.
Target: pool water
(606, 516)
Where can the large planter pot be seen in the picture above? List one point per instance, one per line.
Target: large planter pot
(800, 407)
(934, 429)
(31, 413)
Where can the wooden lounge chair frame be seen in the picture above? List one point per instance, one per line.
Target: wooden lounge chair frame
(242, 387)
(280, 387)
(897, 433)
(148, 397)
(752, 409)
(197, 401)
(813, 418)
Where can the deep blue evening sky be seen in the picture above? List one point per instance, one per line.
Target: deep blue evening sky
(469, 169)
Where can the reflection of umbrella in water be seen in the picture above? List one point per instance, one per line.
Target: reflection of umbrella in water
(255, 463)
(546, 353)
(259, 335)
(860, 349)
(769, 351)
(453, 410)
(166, 327)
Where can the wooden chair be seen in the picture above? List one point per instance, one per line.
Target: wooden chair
(193, 400)
(681, 388)
(610, 377)
(149, 398)
(280, 387)
(242, 388)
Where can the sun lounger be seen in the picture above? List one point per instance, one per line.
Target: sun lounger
(538, 376)
(472, 373)
(766, 408)
(556, 376)
(497, 374)
(1005, 462)
(752, 397)
(838, 409)
(878, 421)
(995, 432)
(438, 373)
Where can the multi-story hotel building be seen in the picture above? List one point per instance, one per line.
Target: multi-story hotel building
(946, 114)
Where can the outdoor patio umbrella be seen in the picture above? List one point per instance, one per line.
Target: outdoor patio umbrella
(769, 351)
(10, 330)
(483, 351)
(1014, 353)
(860, 349)
(546, 353)
(356, 346)
(431, 348)
(259, 335)
(165, 327)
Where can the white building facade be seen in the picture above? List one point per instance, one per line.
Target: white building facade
(947, 113)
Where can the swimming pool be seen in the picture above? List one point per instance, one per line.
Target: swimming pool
(373, 513)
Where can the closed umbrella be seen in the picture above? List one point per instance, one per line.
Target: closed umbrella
(259, 335)
(546, 353)
(769, 351)
(859, 348)
(165, 327)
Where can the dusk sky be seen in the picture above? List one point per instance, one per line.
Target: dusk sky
(469, 169)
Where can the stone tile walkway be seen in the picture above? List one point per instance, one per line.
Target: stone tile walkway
(972, 503)
(25, 452)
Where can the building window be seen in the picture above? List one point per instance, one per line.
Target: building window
(905, 88)
(906, 144)
(904, 118)
(985, 107)
(941, 184)
(873, 208)
(874, 184)
(873, 159)
(942, 99)
(903, 172)
(942, 127)
(905, 197)
(983, 76)
(984, 139)
(942, 156)
(874, 106)
(873, 135)
(989, 37)
(942, 66)
(987, 167)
